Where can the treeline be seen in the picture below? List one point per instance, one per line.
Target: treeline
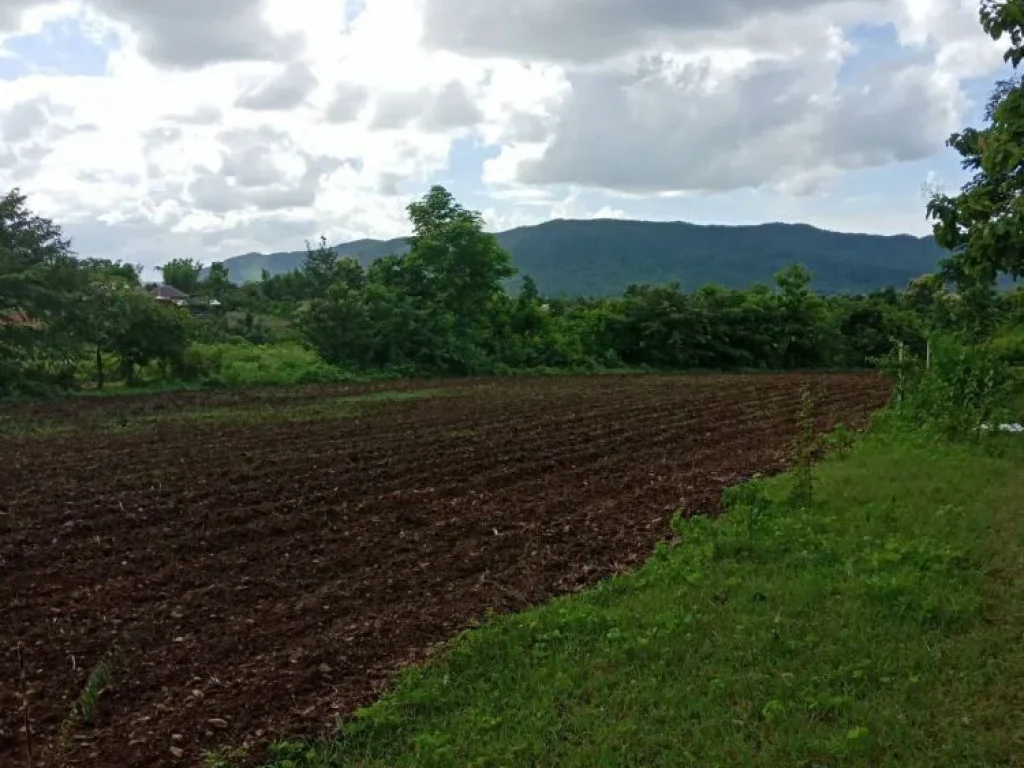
(441, 308)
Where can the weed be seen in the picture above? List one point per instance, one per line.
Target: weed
(84, 711)
(97, 682)
(802, 492)
(839, 441)
(750, 502)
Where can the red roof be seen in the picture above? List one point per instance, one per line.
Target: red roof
(16, 318)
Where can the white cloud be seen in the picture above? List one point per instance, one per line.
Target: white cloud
(238, 125)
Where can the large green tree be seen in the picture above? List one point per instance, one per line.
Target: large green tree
(983, 225)
(456, 264)
(38, 277)
(141, 331)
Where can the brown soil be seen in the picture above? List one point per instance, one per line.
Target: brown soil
(250, 580)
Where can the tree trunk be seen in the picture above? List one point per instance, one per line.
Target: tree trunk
(99, 367)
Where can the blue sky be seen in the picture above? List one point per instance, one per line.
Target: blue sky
(145, 138)
(60, 48)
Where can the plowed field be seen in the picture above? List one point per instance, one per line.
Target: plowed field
(254, 564)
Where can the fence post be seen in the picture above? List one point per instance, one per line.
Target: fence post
(899, 372)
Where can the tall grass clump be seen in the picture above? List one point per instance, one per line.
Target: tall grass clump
(239, 365)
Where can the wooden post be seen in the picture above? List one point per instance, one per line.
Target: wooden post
(899, 372)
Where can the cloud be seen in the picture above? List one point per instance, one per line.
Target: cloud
(216, 127)
(664, 126)
(348, 101)
(11, 13)
(190, 34)
(24, 119)
(433, 110)
(449, 109)
(594, 30)
(286, 90)
(260, 168)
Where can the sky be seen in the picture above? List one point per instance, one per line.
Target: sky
(152, 130)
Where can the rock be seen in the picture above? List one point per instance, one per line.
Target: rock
(178, 752)
(177, 737)
(218, 722)
(326, 669)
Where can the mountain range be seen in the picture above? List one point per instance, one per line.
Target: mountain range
(602, 257)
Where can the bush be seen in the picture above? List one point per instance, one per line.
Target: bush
(966, 387)
(243, 364)
(1009, 347)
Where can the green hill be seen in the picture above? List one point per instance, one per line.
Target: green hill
(601, 257)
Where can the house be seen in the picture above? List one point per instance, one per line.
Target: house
(19, 319)
(170, 294)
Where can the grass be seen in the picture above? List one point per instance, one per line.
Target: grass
(879, 627)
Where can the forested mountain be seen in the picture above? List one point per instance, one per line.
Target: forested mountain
(602, 257)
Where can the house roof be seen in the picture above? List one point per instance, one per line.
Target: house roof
(16, 318)
(168, 292)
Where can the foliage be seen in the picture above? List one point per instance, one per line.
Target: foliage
(430, 309)
(217, 284)
(855, 633)
(984, 224)
(183, 274)
(1008, 346)
(143, 331)
(441, 308)
(750, 502)
(42, 295)
(966, 388)
(237, 365)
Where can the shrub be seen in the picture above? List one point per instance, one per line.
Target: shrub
(243, 364)
(966, 387)
(1009, 347)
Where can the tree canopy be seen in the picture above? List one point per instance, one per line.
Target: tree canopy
(983, 225)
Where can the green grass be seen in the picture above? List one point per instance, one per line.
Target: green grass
(881, 627)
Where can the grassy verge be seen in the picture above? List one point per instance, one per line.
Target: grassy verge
(880, 627)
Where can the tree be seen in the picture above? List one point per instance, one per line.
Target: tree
(983, 226)
(183, 274)
(217, 284)
(38, 277)
(319, 266)
(142, 331)
(97, 312)
(803, 326)
(455, 263)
